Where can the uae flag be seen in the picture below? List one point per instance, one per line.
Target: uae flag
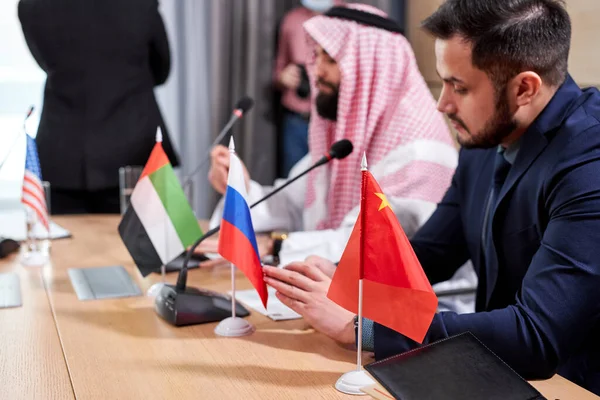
(159, 223)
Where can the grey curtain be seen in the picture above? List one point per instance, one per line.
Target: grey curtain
(242, 54)
(221, 51)
(185, 98)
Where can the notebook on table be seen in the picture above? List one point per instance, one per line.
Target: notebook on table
(10, 290)
(102, 283)
(459, 367)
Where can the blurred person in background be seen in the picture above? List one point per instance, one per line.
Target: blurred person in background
(366, 87)
(102, 60)
(290, 77)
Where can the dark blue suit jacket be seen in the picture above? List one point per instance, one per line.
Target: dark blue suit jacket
(538, 301)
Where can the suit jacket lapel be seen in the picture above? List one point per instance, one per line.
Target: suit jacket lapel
(533, 142)
(484, 180)
(535, 139)
(532, 145)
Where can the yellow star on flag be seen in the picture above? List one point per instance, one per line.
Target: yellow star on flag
(384, 201)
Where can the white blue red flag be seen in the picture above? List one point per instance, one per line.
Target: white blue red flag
(33, 192)
(237, 241)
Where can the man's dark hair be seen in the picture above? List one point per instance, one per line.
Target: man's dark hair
(509, 36)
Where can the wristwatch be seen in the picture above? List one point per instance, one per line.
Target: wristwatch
(273, 258)
(356, 329)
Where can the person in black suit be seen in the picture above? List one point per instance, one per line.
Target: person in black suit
(103, 59)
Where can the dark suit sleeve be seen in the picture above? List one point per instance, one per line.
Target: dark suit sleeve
(440, 243)
(160, 56)
(559, 301)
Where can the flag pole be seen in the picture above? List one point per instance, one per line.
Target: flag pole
(163, 268)
(233, 326)
(363, 168)
(359, 332)
(155, 289)
(352, 382)
(232, 291)
(33, 256)
(233, 314)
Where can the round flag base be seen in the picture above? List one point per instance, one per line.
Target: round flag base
(34, 259)
(234, 327)
(351, 382)
(155, 289)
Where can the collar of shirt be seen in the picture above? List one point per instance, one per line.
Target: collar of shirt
(510, 153)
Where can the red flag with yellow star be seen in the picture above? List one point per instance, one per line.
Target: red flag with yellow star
(396, 291)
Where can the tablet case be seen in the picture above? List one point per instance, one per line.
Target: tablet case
(459, 367)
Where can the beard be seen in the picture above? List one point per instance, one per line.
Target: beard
(495, 130)
(327, 104)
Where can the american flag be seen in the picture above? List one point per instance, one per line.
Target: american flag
(33, 192)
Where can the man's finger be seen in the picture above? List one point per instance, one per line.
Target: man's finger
(291, 303)
(219, 150)
(326, 266)
(311, 271)
(290, 291)
(221, 188)
(222, 160)
(292, 278)
(221, 179)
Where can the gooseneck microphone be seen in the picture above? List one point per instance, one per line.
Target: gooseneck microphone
(338, 150)
(242, 107)
(180, 305)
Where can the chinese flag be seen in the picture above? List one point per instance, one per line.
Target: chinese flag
(396, 291)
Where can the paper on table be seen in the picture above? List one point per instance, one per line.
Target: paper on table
(377, 391)
(276, 310)
(58, 232)
(12, 225)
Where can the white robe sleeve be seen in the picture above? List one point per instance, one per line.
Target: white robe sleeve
(412, 213)
(330, 243)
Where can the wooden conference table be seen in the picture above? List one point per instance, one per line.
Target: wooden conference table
(57, 347)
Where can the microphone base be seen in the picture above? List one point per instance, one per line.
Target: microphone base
(194, 306)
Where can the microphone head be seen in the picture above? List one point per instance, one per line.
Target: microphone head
(341, 149)
(244, 104)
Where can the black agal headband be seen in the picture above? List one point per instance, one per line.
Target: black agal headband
(364, 18)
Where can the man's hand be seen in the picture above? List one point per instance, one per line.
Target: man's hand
(326, 266)
(265, 245)
(290, 76)
(219, 169)
(303, 288)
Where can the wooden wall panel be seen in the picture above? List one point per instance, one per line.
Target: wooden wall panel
(584, 63)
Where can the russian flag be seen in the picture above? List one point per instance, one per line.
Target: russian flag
(237, 241)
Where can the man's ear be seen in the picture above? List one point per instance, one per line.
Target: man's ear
(525, 87)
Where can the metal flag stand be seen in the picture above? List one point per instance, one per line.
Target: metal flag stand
(351, 382)
(155, 289)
